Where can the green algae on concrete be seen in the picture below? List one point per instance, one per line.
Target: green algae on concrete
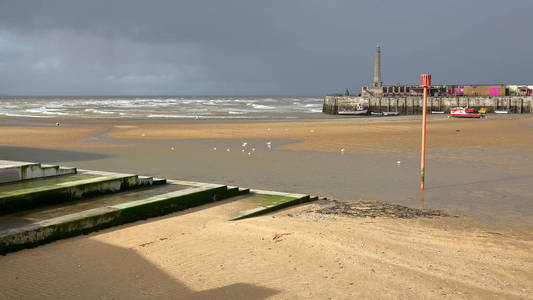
(46, 191)
(24, 217)
(45, 231)
(269, 201)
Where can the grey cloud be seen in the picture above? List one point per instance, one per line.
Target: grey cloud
(256, 47)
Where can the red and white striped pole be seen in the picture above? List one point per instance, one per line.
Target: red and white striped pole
(425, 82)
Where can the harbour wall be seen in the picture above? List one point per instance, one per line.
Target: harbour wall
(412, 105)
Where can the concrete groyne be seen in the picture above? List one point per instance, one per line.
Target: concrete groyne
(43, 208)
(412, 105)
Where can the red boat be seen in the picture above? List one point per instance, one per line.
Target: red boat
(463, 112)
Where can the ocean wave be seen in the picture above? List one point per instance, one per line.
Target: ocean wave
(260, 106)
(46, 111)
(21, 115)
(163, 107)
(96, 111)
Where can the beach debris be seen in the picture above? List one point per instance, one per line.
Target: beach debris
(278, 237)
(145, 244)
(375, 209)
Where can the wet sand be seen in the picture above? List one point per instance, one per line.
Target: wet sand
(479, 170)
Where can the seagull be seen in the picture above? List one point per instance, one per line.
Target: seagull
(227, 150)
(215, 148)
(172, 148)
(244, 144)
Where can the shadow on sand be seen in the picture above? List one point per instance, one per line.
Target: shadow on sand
(102, 271)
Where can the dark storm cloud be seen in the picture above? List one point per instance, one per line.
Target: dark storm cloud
(256, 47)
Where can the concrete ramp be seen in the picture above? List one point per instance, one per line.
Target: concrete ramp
(260, 202)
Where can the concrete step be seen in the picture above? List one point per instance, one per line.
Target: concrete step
(145, 180)
(31, 228)
(13, 171)
(16, 219)
(243, 191)
(157, 181)
(45, 191)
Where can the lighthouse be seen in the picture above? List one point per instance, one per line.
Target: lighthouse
(377, 68)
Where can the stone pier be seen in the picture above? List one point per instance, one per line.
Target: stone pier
(412, 105)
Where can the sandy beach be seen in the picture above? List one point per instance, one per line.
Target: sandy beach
(482, 250)
(292, 254)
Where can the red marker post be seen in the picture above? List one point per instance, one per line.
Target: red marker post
(425, 82)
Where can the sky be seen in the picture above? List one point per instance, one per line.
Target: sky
(257, 47)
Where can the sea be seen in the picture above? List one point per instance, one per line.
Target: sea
(193, 107)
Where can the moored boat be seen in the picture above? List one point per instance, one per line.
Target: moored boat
(463, 112)
(353, 112)
(507, 111)
(391, 113)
